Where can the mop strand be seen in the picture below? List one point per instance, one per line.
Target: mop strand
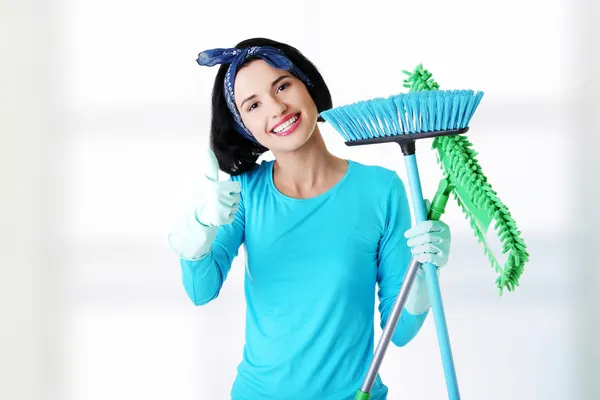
(474, 195)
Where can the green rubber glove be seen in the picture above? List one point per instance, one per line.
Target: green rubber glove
(218, 201)
(216, 204)
(429, 242)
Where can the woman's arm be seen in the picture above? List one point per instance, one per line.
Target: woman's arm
(393, 259)
(207, 252)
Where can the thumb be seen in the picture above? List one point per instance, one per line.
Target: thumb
(427, 206)
(210, 166)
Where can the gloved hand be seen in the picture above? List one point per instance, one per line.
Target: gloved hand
(429, 242)
(219, 201)
(216, 204)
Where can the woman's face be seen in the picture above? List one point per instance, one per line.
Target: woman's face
(275, 106)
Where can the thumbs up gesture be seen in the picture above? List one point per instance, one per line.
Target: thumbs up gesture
(219, 200)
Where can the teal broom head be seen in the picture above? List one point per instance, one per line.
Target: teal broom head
(405, 116)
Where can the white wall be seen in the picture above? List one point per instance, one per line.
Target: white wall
(103, 111)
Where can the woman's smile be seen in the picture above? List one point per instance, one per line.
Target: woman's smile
(288, 126)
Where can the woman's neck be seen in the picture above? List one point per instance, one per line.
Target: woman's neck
(309, 171)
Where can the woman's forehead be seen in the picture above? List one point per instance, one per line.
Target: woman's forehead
(257, 73)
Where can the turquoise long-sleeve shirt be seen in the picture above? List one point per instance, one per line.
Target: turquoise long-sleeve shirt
(314, 267)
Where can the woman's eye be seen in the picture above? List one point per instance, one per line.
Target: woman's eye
(280, 88)
(285, 85)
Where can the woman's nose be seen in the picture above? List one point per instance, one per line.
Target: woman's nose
(277, 107)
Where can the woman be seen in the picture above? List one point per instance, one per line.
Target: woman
(320, 232)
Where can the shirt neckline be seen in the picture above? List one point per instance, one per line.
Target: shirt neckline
(327, 193)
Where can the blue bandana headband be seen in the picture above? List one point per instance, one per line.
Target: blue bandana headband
(236, 57)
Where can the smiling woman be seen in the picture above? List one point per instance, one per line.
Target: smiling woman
(258, 86)
(276, 110)
(321, 232)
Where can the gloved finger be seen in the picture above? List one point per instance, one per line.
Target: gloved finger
(437, 257)
(210, 166)
(434, 259)
(421, 228)
(426, 249)
(229, 200)
(425, 258)
(427, 206)
(233, 212)
(428, 258)
(230, 187)
(424, 239)
(226, 215)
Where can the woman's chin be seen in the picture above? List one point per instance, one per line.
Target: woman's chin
(291, 143)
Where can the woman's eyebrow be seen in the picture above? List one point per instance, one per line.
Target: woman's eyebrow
(272, 84)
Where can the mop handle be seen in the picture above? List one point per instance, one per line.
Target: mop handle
(388, 331)
(438, 206)
(433, 285)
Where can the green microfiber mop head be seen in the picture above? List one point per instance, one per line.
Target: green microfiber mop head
(478, 201)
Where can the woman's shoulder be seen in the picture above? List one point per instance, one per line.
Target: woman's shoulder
(375, 175)
(378, 185)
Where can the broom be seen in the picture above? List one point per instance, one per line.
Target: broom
(403, 119)
(444, 116)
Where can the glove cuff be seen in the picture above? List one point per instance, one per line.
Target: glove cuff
(417, 301)
(190, 239)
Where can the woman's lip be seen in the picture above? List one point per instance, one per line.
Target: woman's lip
(287, 119)
(283, 121)
(292, 128)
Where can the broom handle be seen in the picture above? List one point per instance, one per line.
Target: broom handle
(438, 206)
(433, 285)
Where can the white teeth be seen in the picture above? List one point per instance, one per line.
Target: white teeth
(286, 125)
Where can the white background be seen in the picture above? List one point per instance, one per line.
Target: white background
(104, 111)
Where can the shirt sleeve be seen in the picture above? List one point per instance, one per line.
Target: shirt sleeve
(204, 278)
(393, 259)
